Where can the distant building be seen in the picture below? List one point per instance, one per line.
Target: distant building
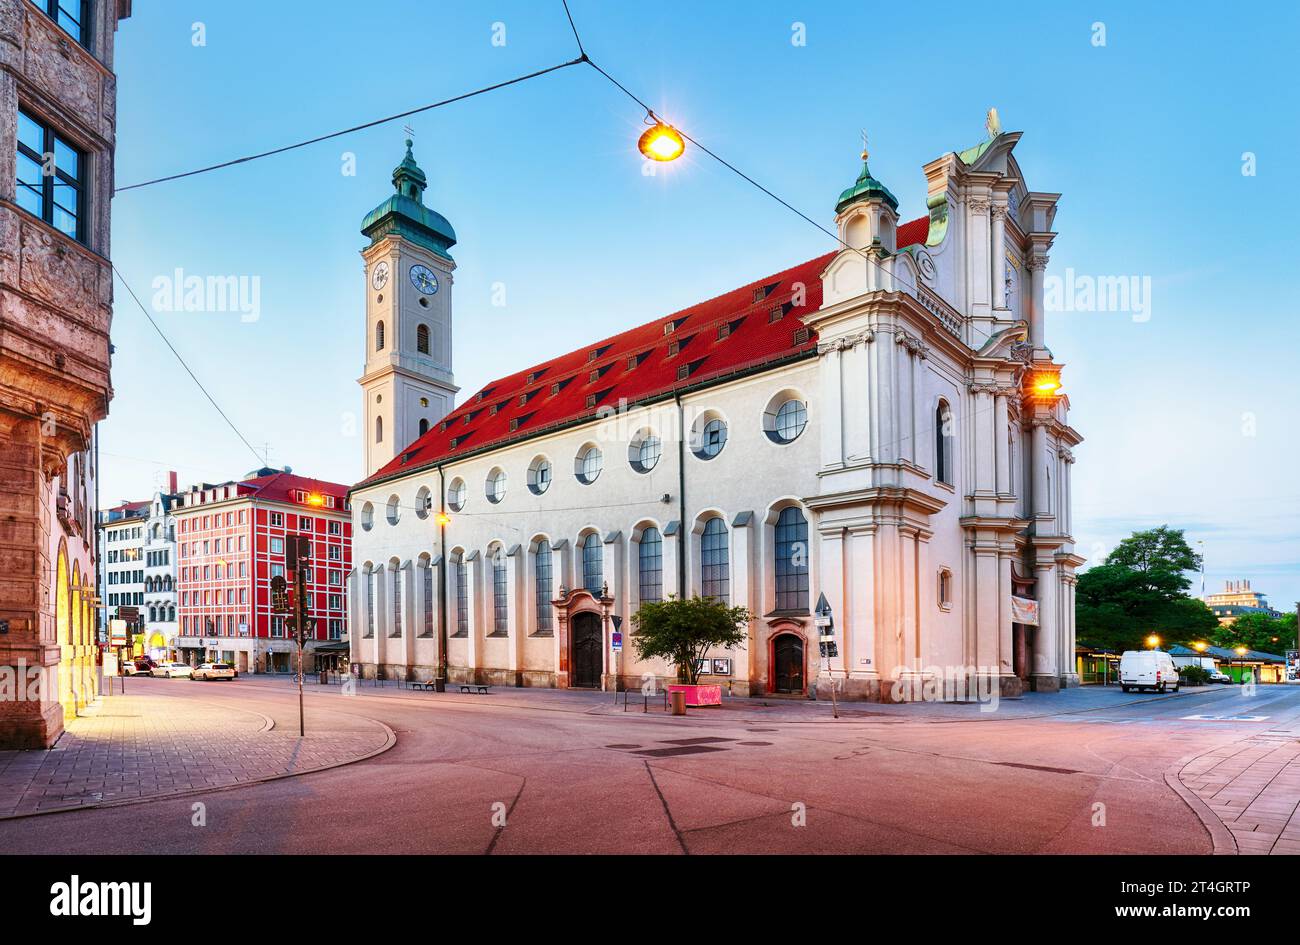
(1236, 600)
(230, 544)
(58, 124)
(137, 548)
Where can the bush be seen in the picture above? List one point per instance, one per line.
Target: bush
(683, 631)
(1193, 675)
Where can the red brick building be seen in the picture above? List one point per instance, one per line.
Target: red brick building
(230, 544)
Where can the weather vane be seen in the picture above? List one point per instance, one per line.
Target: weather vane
(864, 144)
(992, 123)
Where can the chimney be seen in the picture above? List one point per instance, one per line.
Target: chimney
(171, 482)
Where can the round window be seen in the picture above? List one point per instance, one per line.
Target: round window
(496, 485)
(589, 464)
(456, 495)
(712, 438)
(788, 422)
(644, 451)
(539, 475)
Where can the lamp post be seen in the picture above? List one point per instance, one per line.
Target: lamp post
(1241, 651)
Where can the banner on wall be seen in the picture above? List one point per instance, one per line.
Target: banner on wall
(1024, 610)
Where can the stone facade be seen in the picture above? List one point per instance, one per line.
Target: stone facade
(55, 308)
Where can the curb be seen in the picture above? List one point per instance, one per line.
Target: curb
(390, 739)
(1224, 842)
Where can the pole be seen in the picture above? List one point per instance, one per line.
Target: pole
(302, 729)
(835, 706)
(442, 577)
(300, 606)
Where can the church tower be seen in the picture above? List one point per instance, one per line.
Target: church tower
(407, 383)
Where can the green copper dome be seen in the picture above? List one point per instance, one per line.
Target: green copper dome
(864, 187)
(405, 214)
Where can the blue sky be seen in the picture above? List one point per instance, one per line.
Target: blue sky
(1188, 416)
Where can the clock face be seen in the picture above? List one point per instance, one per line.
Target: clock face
(379, 275)
(424, 279)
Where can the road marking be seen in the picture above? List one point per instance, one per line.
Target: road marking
(1224, 718)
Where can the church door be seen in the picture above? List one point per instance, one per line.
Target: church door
(788, 656)
(587, 644)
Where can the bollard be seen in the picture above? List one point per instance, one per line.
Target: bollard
(679, 702)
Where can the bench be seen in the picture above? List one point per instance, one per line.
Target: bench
(416, 684)
(470, 687)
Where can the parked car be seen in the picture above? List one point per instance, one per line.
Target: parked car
(1147, 669)
(171, 670)
(137, 667)
(1205, 662)
(213, 671)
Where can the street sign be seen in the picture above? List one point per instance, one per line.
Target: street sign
(616, 640)
(128, 613)
(828, 648)
(279, 596)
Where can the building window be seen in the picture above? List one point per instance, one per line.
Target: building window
(456, 495)
(336, 629)
(277, 520)
(943, 437)
(715, 561)
(379, 335)
(788, 422)
(539, 475)
(69, 14)
(645, 451)
(712, 438)
(496, 485)
(542, 572)
(57, 197)
(422, 339)
(589, 464)
(397, 602)
(791, 560)
(277, 546)
(379, 429)
(370, 604)
(426, 587)
(592, 565)
(500, 611)
(651, 561)
(462, 599)
(945, 589)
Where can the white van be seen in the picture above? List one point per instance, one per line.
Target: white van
(1147, 669)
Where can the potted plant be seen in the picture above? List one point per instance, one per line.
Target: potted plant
(683, 631)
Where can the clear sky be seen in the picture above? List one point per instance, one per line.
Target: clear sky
(1189, 415)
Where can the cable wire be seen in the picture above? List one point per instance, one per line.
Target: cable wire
(347, 131)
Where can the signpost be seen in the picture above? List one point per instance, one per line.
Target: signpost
(291, 598)
(824, 621)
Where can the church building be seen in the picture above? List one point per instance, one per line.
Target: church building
(881, 426)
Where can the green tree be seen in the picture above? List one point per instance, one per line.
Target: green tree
(1258, 631)
(683, 631)
(1139, 590)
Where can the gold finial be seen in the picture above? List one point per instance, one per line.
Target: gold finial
(864, 144)
(992, 123)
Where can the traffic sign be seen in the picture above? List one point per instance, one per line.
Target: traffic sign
(279, 595)
(616, 640)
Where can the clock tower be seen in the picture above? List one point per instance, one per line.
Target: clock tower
(407, 384)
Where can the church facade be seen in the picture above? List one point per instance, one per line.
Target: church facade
(881, 426)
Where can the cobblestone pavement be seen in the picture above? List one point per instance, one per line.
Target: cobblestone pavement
(1253, 787)
(154, 744)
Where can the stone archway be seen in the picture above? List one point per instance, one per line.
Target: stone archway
(568, 608)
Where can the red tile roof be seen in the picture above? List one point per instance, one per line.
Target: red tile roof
(749, 327)
(279, 487)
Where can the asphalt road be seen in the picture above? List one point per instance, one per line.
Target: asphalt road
(548, 776)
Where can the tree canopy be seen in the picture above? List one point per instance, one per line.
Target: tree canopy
(1258, 632)
(1140, 589)
(683, 631)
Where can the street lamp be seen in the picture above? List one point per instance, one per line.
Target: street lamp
(1046, 383)
(1241, 651)
(1200, 646)
(443, 519)
(661, 142)
(1153, 641)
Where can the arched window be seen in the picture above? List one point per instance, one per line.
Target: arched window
(791, 560)
(171, 613)
(500, 597)
(372, 583)
(943, 437)
(651, 561)
(379, 429)
(397, 601)
(592, 567)
(542, 573)
(715, 561)
(462, 598)
(424, 426)
(379, 335)
(426, 590)
(422, 339)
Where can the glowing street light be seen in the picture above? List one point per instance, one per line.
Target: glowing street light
(443, 519)
(661, 142)
(1153, 641)
(1046, 383)
(1241, 651)
(1200, 645)
(315, 498)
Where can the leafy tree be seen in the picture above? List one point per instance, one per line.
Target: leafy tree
(683, 631)
(1140, 589)
(1259, 631)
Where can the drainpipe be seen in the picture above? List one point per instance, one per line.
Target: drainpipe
(681, 497)
(442, 578)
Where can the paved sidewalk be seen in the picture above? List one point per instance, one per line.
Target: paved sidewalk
(1253, 787)
(131, 747)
